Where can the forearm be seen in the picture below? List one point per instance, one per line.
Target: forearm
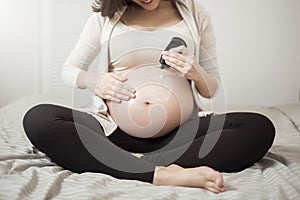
(87, 80)
(74, 71)
(205, 83)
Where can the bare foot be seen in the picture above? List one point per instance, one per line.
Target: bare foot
(201, 177)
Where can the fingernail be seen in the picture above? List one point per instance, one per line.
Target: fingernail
(164, 52)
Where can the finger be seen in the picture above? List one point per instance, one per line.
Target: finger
(175, 55)
(180, 69)
(114, 91)
(180, 49)
(113, 99)
(119, 80)
(125, 86)
(118, 95)
(118, 77)
(175, 61)
(124, 90)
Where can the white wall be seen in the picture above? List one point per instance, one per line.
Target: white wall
(62, 22)
(36, 37)
(257, 47)
(18, 50)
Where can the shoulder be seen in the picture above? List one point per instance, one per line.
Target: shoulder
(196, 8)
(103, 21)
(96, 18)
(200, 10)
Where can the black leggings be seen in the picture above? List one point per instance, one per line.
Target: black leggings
(243, 139)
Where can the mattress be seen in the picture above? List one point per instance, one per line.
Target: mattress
(27, 175)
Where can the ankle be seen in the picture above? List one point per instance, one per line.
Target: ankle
(159, 175)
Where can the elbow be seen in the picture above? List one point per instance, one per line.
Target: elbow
(212, 88)
(69, 74)
(215, 87)
(207, 95)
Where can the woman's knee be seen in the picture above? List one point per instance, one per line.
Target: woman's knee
(37, 122)
(268, 129)
(265, 125)
(255, 128)
(262, 129)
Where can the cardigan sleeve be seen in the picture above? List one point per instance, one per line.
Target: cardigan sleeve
(208, 50)
(84, 52)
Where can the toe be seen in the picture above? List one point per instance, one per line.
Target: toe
(214, 190)
(212, 185)
(219, 180)
(223, 189)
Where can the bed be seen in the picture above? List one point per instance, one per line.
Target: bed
(27, 174)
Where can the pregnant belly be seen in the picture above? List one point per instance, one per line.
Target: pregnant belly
(163, 101)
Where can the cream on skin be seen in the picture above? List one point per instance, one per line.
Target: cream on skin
(161, 103)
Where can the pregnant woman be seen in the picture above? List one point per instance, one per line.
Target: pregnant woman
(143, 123)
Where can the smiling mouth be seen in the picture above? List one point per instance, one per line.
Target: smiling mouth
(146, 1)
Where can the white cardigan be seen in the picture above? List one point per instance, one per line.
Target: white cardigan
(94, 39)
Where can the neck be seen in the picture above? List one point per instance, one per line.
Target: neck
(166, 12)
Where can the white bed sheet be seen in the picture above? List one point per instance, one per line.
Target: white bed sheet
(24, 175)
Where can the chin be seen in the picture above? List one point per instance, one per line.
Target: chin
(149, 7)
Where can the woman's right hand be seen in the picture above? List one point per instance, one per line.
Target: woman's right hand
(113, 87)
(108, 86)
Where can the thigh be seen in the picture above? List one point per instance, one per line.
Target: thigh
(43, 121)
(197, 127)
(75, 141)
(240, 144)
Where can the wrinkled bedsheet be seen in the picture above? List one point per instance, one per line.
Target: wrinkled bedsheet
(27, 175)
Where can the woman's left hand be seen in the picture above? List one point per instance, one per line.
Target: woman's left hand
(183, 60)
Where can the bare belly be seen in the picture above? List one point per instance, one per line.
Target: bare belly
(163, 102)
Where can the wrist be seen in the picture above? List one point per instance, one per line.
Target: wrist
(205, 83)
(87, 80)
(198, 76)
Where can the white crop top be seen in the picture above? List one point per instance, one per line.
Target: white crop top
(134, 47)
